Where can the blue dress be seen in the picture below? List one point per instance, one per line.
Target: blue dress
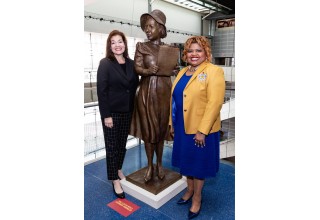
(189, 158)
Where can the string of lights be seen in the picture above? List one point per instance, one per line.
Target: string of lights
(128, 23)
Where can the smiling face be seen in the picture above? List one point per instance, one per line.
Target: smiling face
(195, 55)
(117, 45)
(152, 29)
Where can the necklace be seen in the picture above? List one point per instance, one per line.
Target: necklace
(192, 70)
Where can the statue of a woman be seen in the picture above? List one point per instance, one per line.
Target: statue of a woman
(152, 105)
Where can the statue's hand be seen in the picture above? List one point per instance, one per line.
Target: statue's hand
(152, 70)
(176, 70)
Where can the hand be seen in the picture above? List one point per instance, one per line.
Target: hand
(108, 122)
(171, 131)
(176, 70)
(199, 139)
(153, 69)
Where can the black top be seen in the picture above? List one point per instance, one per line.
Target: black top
(116, 88)
(123, 66)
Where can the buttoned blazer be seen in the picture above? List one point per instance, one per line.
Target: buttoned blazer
(203, 98)
(115, 88)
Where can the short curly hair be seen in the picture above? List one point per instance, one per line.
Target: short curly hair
(202, 41)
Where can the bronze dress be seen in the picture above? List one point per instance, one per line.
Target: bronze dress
(150, 120)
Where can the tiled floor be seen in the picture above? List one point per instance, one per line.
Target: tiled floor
(218, 193)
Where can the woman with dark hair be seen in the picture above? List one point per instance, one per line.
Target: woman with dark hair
(151, 115)
(197, 98)
(116, 86)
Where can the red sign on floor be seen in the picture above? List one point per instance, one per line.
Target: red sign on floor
(123, 207)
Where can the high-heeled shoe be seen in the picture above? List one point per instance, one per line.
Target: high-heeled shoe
(160, 172)
(119, 195)
(149, 173)
(182, 201)
(193, 214)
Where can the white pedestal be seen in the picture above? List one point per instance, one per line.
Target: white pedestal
(155, 201)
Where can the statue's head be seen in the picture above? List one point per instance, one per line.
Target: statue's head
(159, 17)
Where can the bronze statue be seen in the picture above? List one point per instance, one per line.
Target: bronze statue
(155, 62)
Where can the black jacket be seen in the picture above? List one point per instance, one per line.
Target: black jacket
(115, 88)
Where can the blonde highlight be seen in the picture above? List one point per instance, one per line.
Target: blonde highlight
(202, 41)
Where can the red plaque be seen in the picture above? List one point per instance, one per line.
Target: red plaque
(123, 207)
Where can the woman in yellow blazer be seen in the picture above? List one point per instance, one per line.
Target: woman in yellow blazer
(197, 97)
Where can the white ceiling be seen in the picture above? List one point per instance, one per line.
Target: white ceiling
(97, 4)
(204, 7)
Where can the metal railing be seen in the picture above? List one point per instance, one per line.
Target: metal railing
(94, 139)
(93, 134)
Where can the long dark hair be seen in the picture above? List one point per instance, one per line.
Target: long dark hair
(109, 53)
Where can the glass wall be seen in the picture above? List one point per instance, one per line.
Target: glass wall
(95, 50)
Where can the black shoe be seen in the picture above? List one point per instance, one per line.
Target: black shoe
(119, 195)
(182, 201)
(193, 214)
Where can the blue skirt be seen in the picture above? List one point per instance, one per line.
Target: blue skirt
(189, 158)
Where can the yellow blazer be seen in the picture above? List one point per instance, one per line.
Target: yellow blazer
(203, 97)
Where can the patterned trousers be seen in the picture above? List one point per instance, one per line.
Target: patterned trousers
(115, 139)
